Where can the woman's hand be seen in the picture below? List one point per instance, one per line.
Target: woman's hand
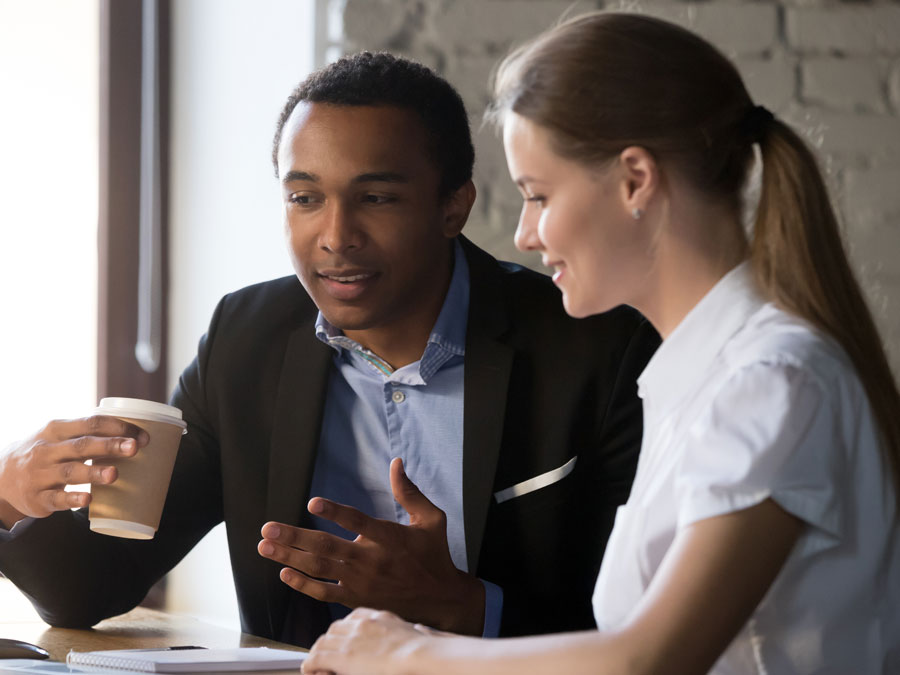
(371, 642)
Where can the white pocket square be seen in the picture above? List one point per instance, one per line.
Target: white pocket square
(536, 483)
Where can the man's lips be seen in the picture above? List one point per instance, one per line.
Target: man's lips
(348, 278)
(346, 283)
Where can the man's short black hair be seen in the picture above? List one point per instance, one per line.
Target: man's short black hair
(384, 79)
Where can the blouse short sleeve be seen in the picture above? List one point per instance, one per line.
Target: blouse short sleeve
(772, 430)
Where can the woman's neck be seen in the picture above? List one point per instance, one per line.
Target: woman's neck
(697, 247)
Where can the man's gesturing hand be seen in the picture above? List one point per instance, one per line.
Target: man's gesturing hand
(34, 473)
(404, 569)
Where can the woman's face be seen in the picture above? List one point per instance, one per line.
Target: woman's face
(580, 219)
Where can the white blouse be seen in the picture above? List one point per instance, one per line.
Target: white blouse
(745, 402)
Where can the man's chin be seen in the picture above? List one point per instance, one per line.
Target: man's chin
(348, 319)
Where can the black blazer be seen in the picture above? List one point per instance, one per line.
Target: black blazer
(540, 388)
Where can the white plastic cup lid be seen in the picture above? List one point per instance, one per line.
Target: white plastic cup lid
(140, 409)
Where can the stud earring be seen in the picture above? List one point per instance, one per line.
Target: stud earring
(636, 213)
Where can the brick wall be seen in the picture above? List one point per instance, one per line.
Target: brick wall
(830, 68)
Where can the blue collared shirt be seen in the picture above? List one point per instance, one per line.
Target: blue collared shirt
(373, 414)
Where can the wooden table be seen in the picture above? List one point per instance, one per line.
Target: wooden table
(138, 629)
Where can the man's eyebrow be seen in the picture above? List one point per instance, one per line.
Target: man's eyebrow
(381, 177)
(371, 177)
(300, 175)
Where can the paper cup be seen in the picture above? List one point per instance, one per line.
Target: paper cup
(132, 506)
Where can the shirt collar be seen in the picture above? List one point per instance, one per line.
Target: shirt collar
(448, 336)
(449, 330)
(685, 356)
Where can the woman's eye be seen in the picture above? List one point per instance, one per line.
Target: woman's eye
(536, 199)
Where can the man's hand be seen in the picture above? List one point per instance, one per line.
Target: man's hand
(35, 472)
(404, 569)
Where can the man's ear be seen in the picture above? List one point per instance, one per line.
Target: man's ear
(639, 179)
(456, 209)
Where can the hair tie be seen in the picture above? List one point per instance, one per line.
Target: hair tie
(755, 122)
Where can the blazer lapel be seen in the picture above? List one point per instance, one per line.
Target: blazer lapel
(295, 438)
(487, 369)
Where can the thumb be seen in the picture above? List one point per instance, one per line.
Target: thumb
(421, 511)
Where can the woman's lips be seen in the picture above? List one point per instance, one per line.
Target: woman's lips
(560, 269)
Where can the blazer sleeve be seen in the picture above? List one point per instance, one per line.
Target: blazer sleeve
(76, 578)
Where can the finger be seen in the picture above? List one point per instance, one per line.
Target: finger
(420, 509)
(91, 447)
(77, 473)
(319, 543)
(318, 590)
(352, 520)
(314, 670)
(96, 425)
(342, 627)
(326, 652)
(318, 660)
(310, 564)
(60, 500)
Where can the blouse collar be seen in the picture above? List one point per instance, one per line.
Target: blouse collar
(689, 351)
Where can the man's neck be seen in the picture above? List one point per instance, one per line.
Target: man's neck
(402, 341)
(395, 346)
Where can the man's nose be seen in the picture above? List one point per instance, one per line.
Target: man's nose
(340, 231)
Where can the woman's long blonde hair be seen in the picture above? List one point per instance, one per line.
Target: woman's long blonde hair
(606, 81)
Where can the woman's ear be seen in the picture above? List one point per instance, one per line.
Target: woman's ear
(456, 209)
(639, 179)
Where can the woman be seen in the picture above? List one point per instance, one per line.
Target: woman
(759, 535)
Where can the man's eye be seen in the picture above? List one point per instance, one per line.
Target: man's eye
(301, 200)
(378, 199)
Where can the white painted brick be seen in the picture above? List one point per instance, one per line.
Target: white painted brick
(499, 22)
(470, 74)
(861, 29)
(873, 255)
(843, 83)
(771, 82)
(371, 24)
(850, 133)
(894, 86)
(734, 28)
(873, 197)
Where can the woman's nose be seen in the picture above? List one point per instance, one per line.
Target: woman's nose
(526, 238)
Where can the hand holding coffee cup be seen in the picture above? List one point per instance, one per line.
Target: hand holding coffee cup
(35, 472)
(131, 506)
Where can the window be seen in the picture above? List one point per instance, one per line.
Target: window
(48, 212)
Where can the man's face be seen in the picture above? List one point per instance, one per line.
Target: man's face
(367, 231)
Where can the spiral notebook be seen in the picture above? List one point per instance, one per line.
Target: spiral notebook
(190, 660)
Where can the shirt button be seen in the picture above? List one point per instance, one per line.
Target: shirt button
(398, 397)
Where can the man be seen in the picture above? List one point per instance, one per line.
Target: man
(403, 341)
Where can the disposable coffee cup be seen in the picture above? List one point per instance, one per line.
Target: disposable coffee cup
(132, 506)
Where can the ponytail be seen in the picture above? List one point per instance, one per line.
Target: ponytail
(798, 259)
